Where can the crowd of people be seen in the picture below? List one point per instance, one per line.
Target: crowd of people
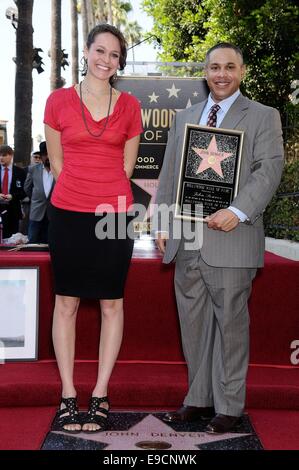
(25, 194)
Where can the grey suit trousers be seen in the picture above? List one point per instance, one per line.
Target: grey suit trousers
(214, 320)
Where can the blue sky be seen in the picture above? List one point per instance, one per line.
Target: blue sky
(42, 39)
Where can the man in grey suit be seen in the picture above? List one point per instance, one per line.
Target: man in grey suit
(38, 186)
(213, 283)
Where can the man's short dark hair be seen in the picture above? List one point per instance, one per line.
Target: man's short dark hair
(6, 150)
(224, 45)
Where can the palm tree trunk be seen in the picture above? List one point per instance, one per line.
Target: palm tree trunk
(90, 15)
(23, 83)
(101, 11)
(75, 47)
(84, 20)
(110, 13)
(56, 81)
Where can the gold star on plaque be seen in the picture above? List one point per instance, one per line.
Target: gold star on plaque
(211, 157)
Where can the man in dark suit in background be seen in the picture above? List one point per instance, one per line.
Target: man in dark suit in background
(12, 180)
(39, 185)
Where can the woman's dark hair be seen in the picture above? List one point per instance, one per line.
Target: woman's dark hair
(107, 28)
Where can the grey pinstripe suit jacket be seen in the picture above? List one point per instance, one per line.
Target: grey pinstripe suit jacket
(34, 188)
(262, 163)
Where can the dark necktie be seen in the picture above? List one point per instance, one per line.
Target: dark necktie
(212, 117)
(5, 181)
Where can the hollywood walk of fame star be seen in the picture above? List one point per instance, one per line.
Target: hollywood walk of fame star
(173, 91)
(195, 93)
(211, 157)
(152, 429)
(153, 97)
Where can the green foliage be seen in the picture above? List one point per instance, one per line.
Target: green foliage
(282, 215)
(266, 31)
(281, 219)
(179, 24)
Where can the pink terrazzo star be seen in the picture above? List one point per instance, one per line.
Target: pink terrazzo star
(211, 157)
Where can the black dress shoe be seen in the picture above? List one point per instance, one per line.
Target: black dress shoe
(186, 414)
(222, 423)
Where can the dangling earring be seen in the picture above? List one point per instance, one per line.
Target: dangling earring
(84, 69)
(112, 79)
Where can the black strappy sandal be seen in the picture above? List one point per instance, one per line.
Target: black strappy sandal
(66, 416)
(93, 418)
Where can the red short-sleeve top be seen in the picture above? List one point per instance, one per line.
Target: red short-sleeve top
(93, 168)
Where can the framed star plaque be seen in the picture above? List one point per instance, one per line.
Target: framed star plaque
(209, 172)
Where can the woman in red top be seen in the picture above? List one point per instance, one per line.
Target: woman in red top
(93, 134)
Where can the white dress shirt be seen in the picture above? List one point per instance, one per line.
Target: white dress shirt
(47, 181)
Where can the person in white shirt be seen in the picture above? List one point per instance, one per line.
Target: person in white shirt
(39, 185)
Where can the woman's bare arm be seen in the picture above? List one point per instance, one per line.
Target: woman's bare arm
(55, 151)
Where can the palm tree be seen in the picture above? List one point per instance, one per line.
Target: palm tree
(23, 83)
(100, 14)
(75, 47)
(133, 33)
(56, 80)
(120, 10)
(84, 16)
(90, 14)
(110, 12)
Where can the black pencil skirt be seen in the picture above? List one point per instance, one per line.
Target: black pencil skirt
(84, 265)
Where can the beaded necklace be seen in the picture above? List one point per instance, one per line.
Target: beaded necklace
(84, 117)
